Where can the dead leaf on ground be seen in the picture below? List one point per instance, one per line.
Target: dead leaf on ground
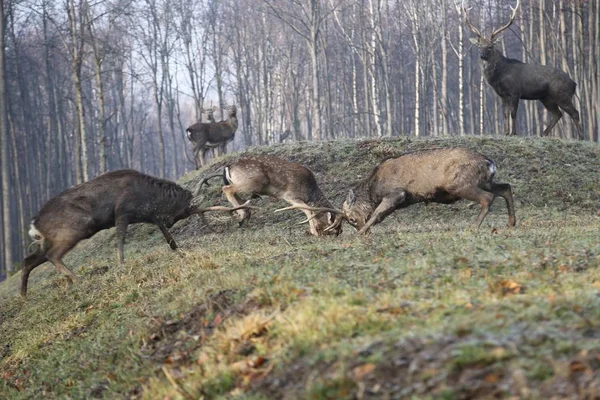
(218, 319)
(509, 287)
(577, 367)
(492, 377)
(257, 362)
(362, 370)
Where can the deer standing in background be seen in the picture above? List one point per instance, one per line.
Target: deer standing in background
(210, 114)
(281, 179)
(440, 176)
(513, 80)
(210, 117)
(114, 199)
(209, 135)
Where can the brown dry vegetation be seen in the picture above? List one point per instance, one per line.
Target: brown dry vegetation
(425, 307)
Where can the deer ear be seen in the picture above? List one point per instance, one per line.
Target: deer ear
(474, 41)
(351, 198)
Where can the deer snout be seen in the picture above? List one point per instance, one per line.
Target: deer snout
(485, 53)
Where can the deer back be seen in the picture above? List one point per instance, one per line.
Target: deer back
(423, 175)
(83, 210)
(273, 176)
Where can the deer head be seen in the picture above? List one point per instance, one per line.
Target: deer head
(486, 45)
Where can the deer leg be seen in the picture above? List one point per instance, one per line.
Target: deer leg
(554, 111)
(199, 152)
(483, 197)
(121, 232)
(203, 160)
(167, 235)
(574, 114)
(236, 201)
(388, 205)
(310, 216)
(504, 190)
(33, 260)
(514, 106)
(59, 265)
(506, 113)
(55, 255)
(196, 151)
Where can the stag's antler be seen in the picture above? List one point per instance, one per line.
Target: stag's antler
(201, 210)
(469, 24)
(336, 223)
(309, 208)
(512, 19)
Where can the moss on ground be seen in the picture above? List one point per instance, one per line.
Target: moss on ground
(425, 307)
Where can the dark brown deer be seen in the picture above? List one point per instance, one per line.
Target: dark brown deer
(281, 179)
(115, 199)
(209, 135)
(439, 175)
(513, 80)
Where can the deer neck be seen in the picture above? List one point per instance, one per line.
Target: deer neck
(493, 64)
(365, 196)
(233, 122)
(317, 199)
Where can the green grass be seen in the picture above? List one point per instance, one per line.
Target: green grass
(425, 307)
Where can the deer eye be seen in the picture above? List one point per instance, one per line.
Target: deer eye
(352, 221)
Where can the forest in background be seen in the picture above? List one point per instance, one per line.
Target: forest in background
(92, 86)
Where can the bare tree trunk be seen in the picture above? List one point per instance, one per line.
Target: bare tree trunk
(4, 154)
(596, 57)
(372, 50)
(444, 97)
(19, 194)
(76, 27)
(589, 82)
(461, 83)
(101, 119)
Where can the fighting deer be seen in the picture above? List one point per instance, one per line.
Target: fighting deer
(281, 179)
(513, 80)
(209, 135)
(114, 199)
(439, 175)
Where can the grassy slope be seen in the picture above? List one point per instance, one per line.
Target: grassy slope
(426, 306)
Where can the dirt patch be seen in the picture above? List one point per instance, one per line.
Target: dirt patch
(449, 366)
(175, 339)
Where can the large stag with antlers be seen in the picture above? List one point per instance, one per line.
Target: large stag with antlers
(205, 136)
(439, 176)
(115, 199)
(513, 80)
(281, 179)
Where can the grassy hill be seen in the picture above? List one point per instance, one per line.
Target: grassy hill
(425, 307)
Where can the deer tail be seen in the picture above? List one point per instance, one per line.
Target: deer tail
(227, 176)
(36, 236)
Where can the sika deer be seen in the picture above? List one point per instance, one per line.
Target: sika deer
(281, 179)
(115, 199)
(513, 80)
(440, 176)
(209, 135)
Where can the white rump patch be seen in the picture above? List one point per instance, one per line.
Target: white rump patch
(228, 175)
(36, 236)
(492, 167)
(189, 135)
